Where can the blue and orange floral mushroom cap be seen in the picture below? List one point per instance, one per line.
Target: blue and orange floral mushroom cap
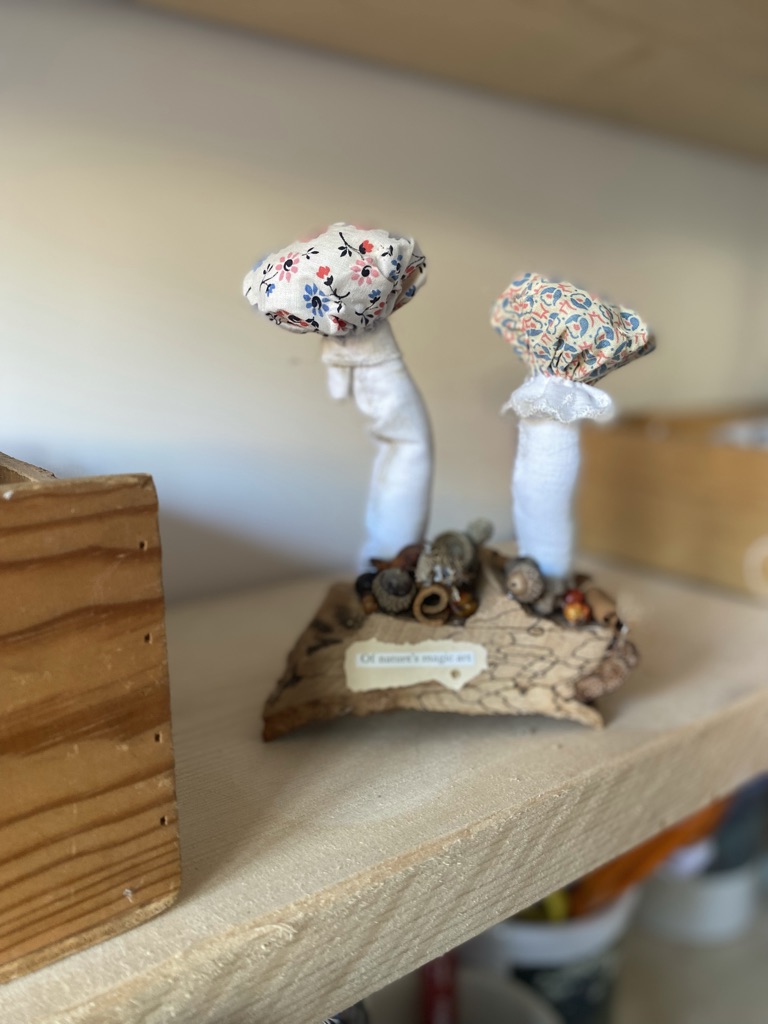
(560, 330)
(344, 280)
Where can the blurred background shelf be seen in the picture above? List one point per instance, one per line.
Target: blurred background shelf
(694, 70)
(669, 983)
(683, 494)
(320, 867)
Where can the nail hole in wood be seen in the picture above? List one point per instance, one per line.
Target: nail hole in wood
(164, 820)
(142, 545)
(158, 737)
(147, 638)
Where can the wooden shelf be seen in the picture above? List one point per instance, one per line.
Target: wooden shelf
(320, 867)
(693, 69)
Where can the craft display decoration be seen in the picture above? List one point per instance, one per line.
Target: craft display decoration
(449, 624)
(433, 582)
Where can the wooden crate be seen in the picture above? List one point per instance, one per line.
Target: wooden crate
(88, 837)
(671, 493)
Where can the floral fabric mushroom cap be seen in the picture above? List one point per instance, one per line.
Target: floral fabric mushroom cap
(562, 331)
(345, 280)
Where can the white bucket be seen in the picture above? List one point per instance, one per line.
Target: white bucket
(704, 910)
(519, 943)
(483, 999)
(572, 964)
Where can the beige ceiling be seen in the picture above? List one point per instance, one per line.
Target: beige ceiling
(694, 69)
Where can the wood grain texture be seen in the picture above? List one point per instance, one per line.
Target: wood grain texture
(88, 843)
(323, 866)
(13, 471)
(695, 70)
(664, 492)
(535, 665)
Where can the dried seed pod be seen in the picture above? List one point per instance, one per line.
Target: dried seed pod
(603, 607)
(463, 604)
(394, 590)
(425, 565)
(456, 547)
(364, 583)
(480, 531)
(406, 558)
(610, 673)
(547, 604)
(438, 567)
(575, 609)
(525, 581)
(431, 605)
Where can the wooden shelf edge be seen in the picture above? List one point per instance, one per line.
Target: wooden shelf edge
(306, 892)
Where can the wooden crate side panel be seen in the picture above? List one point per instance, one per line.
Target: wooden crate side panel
(14, 471)
(68, 659)
(51, 500)
(66, 546)
(88, 820)
(679, 505)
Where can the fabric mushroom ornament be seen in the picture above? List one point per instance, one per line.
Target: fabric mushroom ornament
(343, 285)
(569, 340)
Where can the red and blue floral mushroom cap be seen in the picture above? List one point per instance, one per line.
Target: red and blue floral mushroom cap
(560, 330)
(344, 280)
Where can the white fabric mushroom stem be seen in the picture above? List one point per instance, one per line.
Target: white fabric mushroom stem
(547, 466)
(569, 340)
(401, 482)
(343, 285)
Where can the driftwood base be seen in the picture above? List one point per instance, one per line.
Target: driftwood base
(535, 666)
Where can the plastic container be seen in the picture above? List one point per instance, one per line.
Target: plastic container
(484, 998)
(704, 910)
(572, 964)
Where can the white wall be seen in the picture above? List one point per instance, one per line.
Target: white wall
(146, 161)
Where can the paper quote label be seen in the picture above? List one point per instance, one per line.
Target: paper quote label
(374, 665)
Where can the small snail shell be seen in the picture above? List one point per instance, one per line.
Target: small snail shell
(394, 590)
(524, 580)
(430, 606)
